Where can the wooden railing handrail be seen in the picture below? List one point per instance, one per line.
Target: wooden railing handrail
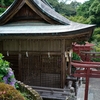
(86, 62)
(86, 52)
(81, 65)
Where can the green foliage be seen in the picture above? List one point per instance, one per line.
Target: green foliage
(6, 73)
(2, 2)
(4, 65)
(76, 56)
(79, 19)
(89, 13)
(27, 96)
(83, 9)
(96, 35)
(60, 7)
(6, 2)
(97, 46)
(7, 92)
(96, 40)
(97, 31)
(94, 7)
(94, 12)
(96, 59)
(2, 10)
(63, 8)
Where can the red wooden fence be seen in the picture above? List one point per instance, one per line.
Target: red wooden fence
(87, 72)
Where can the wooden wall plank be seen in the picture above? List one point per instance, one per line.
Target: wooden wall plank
(31, 45)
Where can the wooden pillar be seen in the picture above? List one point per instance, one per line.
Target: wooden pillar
(87, 84)
(19, 66)
(69, 64)
(63, 67)
(1, 45)
(19, 59)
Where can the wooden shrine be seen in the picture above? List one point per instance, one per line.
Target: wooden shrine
(36, 40)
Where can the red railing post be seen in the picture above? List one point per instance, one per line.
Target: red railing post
(87, 84)
(87, 72)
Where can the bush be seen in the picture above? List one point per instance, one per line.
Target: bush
(76, 56)
(6, 73)
(7, 92)
(96, 59)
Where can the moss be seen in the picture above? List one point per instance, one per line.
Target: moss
(7, 92)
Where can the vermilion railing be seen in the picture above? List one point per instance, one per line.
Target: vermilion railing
(87, 72)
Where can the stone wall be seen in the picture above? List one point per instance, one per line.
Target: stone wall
(33, 95)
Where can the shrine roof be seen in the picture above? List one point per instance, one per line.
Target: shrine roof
(41, 19)
(42, 28)
(42, 6)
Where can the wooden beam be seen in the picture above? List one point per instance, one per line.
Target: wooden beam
(52, 93)
(84, 71)
(63, 67)
(71, 37)
(85, 65)
(19, 65)
(84, 75)
(86, 62)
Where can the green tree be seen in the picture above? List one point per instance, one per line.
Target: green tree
(6, 2)
(2, 2)
(83, 9)
(64, 8)
(94, 12)
(79, 19)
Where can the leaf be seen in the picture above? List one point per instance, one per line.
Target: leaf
(1, 78)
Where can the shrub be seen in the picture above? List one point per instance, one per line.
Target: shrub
(6, 73)
(7, 92)
(96, 59)
(76, 56)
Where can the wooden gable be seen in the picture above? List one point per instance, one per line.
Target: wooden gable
(27, 10)
(26, 14)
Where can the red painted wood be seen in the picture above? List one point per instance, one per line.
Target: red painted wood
(87, 72)
(85, 65)
(82, 48)
(84, 71)
(84, 75)
(86, 62)
(87, 84)
(80, 71)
